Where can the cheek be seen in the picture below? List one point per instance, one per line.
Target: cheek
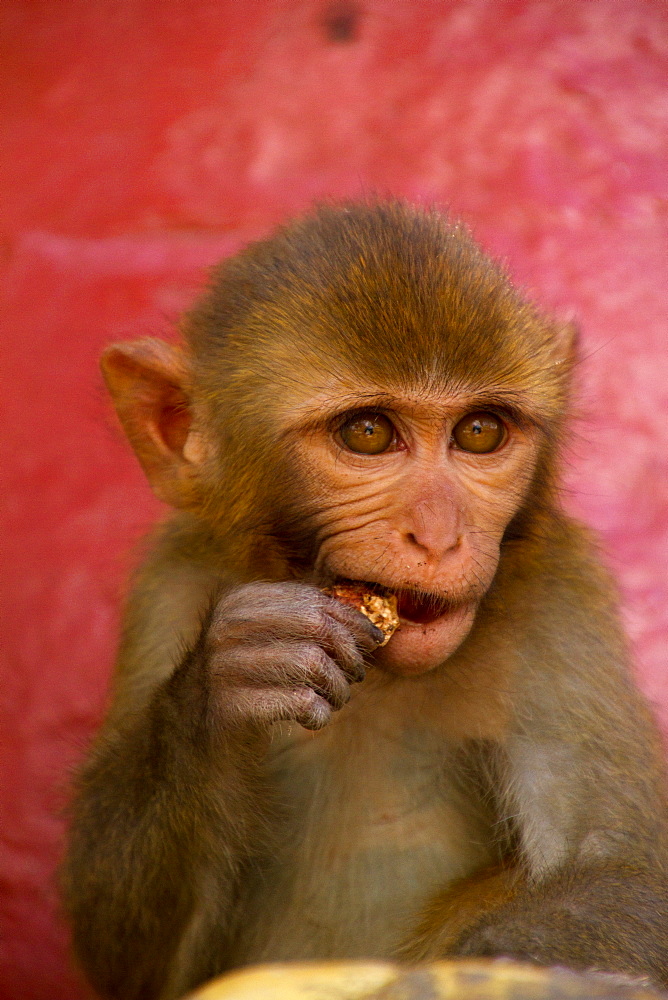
(353, 516)
(493, 496)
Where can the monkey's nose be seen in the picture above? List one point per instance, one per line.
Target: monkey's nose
(429, 552)
(432, 530)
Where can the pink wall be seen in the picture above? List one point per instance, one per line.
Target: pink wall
(144, 139)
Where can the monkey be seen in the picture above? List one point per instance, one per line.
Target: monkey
(364, 398)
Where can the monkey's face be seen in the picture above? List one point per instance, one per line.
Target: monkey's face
(364, 398)
(412, 495)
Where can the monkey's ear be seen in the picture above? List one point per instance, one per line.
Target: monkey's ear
(566, 341)
(148, 381)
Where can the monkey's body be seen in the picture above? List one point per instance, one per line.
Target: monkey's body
(408, 834)
(494, 785)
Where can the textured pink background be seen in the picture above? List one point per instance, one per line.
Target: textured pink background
(143, 140)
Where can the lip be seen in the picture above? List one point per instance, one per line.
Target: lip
(418, 647)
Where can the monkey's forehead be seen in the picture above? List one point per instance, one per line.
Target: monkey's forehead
(308, 361)
(387, 293)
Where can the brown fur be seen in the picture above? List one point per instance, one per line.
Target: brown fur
(253, 795)
(458, 908)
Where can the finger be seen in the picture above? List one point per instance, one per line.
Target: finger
(263, 612)
(267, 612)
(339, 641)
(264, 706)
(286, 665)
(367, 635)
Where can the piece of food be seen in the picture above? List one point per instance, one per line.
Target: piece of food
(381, 611)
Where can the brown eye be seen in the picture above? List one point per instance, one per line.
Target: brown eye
(367, 433)
(479, 433)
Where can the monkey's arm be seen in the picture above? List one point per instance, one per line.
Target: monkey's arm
(143, 855)
(172, 805)
(603, 903)
(583, 784)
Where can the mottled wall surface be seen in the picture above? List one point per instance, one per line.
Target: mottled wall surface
(144, 139)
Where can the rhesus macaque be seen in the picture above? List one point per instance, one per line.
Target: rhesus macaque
(364, 398)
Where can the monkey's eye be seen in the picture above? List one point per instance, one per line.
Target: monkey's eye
(479, 433)
(367, 433)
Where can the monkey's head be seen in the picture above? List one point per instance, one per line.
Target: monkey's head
(362, 397)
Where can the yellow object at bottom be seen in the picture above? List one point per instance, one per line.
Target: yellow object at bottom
(464, 979)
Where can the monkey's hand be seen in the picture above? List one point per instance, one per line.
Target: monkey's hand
(282, 651)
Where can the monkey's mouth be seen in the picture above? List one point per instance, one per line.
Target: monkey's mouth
(422, 608)
(419, 607)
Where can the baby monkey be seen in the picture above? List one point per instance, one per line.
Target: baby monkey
(363, 402)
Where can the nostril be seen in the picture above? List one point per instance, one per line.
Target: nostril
(411, 538)
(436, 547)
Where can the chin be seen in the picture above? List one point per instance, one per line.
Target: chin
(417, 648)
